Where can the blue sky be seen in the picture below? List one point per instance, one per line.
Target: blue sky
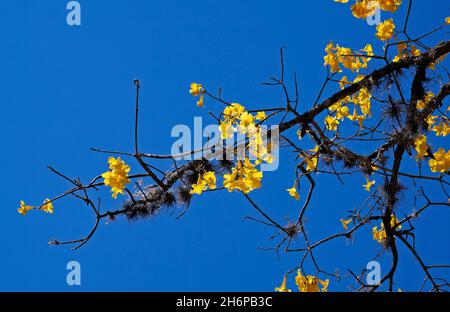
(66, 89)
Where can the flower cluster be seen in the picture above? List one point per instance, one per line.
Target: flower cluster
(47, 207)
(361, 99)
(117, 177)
(421, 146)
(293, 191)
(380, 235)
(405, 50)
(440, 161)
(310, 283)
(442, 128)
(307, 283)
(196, 89)
(353, 60)
(365, 8)
(385, 30)
(205, 181)
(244, 177)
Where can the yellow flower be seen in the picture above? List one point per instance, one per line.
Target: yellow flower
(342, 112)
(117, 177)
(443, 129)
(283, 288)
(421, 146)
(233, 111)
(204, 181)
(389, 5)
(441, 161)
(260, 116)
(247, 123)
(356, 117)
(196, 89)
(311, 163)
(293, 191)
(447, 20)
(199, 187)
(244, 177)
(226, 130)
(24, 208)
(310, 283)
(200, 101)
(47, 206)
(385, 30)
(431, 120)
(362, 99)
(210, 178)
(331, 123)
(363, 9)
(380, 235)
(421, 104)
(368, 184)
(345, 223)
(341, 1)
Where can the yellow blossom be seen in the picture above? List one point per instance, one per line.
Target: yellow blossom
(117, 177)
(244, 177)
(355, 117)
(380, 235)
(368, 184)
(200, 102)
(260, 116)
(443, 129)
(385, 30)
(363, 9)
(226, 130)
(441, 161)
(421, 146)
(47, 206)
(310, 283)
(24, 208)
(283, 288)
(205, 181)
(345, 223)
(247, 123)
(431, 120)
(421, 104)
(331, 123)
(293, 191)
(196, 89)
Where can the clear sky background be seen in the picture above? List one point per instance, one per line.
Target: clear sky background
(65, 89)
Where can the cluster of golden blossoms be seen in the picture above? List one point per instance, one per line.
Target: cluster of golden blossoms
(204, 181)
(307, 283)
(117, 177)
(385, 30)
(405, 50)
(197, 90)
(353, 60)
(440, 125)
(47, 207)
(340, 110)
(365, 8)
(310, 159)
(245, 176)
(379, 235)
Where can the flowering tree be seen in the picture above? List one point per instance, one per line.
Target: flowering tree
(392, 99)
